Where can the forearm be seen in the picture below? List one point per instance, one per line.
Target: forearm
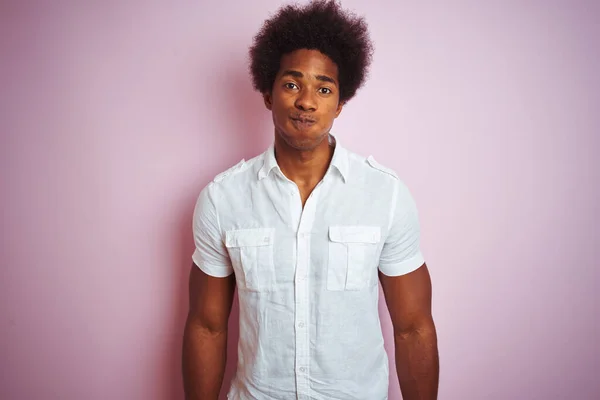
(417, 363)
(204, 360)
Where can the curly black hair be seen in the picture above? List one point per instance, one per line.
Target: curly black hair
(321, 25)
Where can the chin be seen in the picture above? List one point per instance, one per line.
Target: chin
(302, 140)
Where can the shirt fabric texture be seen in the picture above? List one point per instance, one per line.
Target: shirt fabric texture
(307, 279)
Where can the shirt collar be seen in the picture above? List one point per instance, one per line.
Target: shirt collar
(339, 160)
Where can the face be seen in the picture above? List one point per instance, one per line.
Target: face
(305, 98)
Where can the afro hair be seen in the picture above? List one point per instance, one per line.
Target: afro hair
(320, 25)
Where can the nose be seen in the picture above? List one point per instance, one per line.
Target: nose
(306, 101)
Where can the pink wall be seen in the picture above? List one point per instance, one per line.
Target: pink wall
(114, 115)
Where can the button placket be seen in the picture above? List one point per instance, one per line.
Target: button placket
(302, 296)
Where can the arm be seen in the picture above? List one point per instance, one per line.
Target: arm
(408, 298)
(205, 335)
(212, 284)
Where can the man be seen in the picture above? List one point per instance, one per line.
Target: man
(306, 231)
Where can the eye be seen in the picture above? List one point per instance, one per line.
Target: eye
(325, 90)
(290, 86)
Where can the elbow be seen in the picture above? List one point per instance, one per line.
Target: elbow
(205, 328)
(420, 329)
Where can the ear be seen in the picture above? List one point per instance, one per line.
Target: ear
(268, 99)
(339, 108)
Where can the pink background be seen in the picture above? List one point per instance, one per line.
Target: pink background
(115, 114)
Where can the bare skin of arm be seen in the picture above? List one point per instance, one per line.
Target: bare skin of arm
(205, 335)
(408, 298)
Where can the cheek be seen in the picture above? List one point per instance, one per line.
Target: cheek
(280, 114)
(331, 109)
(281, 103)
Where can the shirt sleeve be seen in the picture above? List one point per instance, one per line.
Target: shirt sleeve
(210, 254)
(401, 251)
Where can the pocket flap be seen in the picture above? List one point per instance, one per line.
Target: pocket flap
(249, 237)
(355, 234)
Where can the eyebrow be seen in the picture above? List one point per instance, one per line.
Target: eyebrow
(298, 74)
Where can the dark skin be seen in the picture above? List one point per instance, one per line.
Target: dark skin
(205, 335)
(408, 298)
(304, 103)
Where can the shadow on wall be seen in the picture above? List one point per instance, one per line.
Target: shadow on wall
(245, 125)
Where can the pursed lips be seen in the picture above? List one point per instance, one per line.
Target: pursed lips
(302, 119)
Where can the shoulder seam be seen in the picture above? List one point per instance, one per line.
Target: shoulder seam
(239, 167)
(374, 164)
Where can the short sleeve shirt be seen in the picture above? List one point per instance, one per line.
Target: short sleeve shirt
(307, 277)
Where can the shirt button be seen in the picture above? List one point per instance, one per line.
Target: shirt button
(302, 369)
(301, 324)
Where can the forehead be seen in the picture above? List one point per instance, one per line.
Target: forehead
(310, 62)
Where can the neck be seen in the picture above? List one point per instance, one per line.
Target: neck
(306, 168)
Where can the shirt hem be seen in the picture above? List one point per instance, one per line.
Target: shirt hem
(212, 270)
(404, 267)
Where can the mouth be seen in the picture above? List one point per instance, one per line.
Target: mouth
(302, 122)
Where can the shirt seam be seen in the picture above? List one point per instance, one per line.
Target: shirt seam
(217, 213)
(394, 205)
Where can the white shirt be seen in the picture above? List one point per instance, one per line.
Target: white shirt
(307, 278)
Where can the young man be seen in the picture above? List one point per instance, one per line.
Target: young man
(306, 231)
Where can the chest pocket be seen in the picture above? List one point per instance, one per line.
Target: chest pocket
(251, 253)
(352, 256)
